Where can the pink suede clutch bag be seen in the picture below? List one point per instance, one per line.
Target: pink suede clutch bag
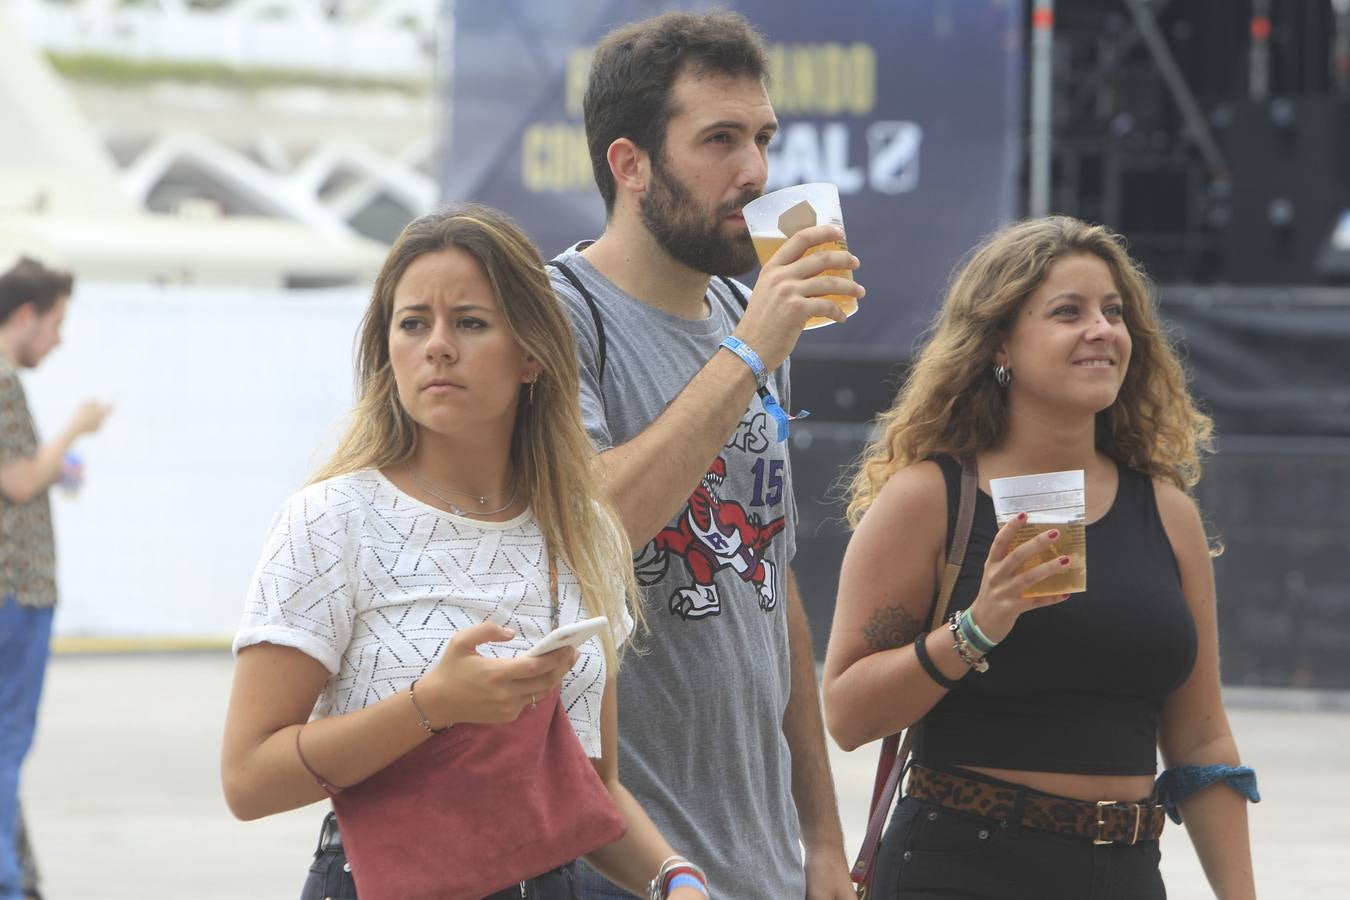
(476, 809)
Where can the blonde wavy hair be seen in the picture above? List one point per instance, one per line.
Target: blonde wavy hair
(950, 403)
(555, 464)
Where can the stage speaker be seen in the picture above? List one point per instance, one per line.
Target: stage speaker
(1290, 162)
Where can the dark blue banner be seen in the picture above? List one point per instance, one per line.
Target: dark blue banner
(911, 109)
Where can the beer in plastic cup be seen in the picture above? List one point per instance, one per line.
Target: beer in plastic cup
(773, 218)
(1050, 500)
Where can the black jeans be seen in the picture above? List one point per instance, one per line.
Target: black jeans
(330, 878)
(930, 852)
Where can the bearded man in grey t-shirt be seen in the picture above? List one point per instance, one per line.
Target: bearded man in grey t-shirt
(720, 735)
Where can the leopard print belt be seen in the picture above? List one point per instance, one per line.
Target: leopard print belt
(1105, 822)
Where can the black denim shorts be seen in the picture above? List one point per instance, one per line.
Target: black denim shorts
(930, 852)
(330, 877)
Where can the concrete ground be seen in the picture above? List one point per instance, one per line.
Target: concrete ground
(123, 799)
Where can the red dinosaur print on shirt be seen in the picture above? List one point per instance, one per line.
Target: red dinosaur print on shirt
(711, 535)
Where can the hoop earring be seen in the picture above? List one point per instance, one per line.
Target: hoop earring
(1003, 375)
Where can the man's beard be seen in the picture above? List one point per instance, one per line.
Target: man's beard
(690, 235)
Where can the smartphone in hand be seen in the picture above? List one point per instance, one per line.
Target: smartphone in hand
(572, 635)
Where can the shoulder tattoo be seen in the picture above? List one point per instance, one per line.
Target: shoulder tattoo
(891, 627)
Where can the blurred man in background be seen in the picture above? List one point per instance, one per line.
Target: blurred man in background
(33, 302)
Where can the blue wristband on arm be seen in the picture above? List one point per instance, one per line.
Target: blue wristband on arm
(749, 357)
(683, 880)
(771, 405)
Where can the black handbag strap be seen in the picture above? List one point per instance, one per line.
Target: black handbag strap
(894, 750)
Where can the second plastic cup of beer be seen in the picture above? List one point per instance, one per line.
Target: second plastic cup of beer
(773, 218)
(1051, 500)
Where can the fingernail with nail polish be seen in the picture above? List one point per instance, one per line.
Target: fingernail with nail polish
(1063, 560)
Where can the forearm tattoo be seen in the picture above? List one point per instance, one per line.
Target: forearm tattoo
(891, 627)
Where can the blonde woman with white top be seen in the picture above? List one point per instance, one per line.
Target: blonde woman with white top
(459, 521)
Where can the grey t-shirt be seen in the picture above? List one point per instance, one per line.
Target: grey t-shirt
(701, 742)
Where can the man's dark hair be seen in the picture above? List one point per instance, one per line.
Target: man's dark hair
(29, 281)
(633, 75)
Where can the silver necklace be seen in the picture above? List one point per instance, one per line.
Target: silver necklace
(455, 507)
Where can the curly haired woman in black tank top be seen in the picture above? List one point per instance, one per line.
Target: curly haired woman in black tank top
(1034, 764)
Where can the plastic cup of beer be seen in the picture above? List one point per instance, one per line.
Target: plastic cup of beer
(1050, 500)
(773, 218)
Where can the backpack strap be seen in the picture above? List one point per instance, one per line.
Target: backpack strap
(571, 276)
(891, 764)
(586, 295)
(735, 291)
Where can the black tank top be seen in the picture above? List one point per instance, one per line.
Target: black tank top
(1075, 687)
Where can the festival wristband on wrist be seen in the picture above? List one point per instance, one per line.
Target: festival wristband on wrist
(963, 649)
(770, 403)
(686, 880)
(977, 639)
(675, 872)
(749, 357)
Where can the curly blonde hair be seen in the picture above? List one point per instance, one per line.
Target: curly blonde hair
(555, 463)
(950, 402)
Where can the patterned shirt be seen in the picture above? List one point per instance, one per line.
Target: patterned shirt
(373, 583)
(27, 544)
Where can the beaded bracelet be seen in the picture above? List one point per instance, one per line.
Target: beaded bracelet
(963, 650)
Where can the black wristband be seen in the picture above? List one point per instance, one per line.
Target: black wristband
(921, 651)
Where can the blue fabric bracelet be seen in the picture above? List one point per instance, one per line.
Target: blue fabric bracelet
(685, 880)
(1175, 785)
(749, 357)
(771, 405)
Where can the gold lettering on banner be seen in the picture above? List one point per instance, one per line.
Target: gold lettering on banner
(578, 74)
(823, 79)
(554, 158)
(827, 78)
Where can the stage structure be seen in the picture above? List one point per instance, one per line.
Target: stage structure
(911, 109)
(1215, 136)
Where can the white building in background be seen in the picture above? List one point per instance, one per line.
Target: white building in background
(272, 135)
(377, 38)
(187, 208)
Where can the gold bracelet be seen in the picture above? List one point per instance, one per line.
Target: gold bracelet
(421, 716)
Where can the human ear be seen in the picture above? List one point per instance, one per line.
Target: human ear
(23, 316)
(1001, 355)
(629, 164)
